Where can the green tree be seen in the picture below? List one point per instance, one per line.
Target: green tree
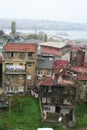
(45, 38)
(1, 32)
(13, 27)
(32, 36)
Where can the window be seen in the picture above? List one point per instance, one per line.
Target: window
(20, 76)
(39, 72)
(10, 89)
(49, 73)
(43, 100)
(9, 54)
(47, 108)
(85, 83)
(9, 78)
(9, 65)
(29, 64)
(21, 88)
(57, 100)
(20, 64)
(29, 77)
(21, 54)
(48, 100)
(29, 54)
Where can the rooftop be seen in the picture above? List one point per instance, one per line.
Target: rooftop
(54, 44)
(79, 69)
(44, 63)
(19, 47)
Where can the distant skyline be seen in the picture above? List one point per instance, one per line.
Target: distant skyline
(53, 10)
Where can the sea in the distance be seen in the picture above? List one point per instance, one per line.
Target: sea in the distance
(72, 35)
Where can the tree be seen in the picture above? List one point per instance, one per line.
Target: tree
(13, 27)
(45, 38)
(1, 32)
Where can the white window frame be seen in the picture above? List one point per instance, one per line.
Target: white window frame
(21, 88)
(10, 89)
(29, 77)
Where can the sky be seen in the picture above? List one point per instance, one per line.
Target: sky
(53, 10)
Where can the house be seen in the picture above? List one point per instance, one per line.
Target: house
(85, 59)
(57, 92)
(59, 50)
(44, 68)
(57, 98)
(80, 76)
(19, 63)
(77, 57)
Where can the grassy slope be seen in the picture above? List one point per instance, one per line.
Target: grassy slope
(81, 116)
(24, 114)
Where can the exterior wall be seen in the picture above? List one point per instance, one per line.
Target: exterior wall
(44, 72)
(80, 58)
(16, 73)
(82, 91)
(30, 76)
(66, 57)
(85, 59)
(58, 101)
(59, 53)
(73, 58)
(77, 57)
(51, 50)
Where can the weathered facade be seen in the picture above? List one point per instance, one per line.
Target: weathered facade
(77, 56)
(58, 98)
(44, 68)
(19, 63)
(59, 50)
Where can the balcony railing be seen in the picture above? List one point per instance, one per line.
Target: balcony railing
(15, 70)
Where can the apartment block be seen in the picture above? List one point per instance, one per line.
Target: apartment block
(18, 72)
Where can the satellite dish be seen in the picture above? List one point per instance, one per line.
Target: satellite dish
(60, 119)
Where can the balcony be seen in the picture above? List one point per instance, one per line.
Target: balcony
(15, 70)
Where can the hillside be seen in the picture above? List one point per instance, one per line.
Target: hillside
(42, 24)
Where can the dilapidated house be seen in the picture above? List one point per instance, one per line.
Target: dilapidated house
(58, 99)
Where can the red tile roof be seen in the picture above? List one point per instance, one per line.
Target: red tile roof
(76, 48)
(82, 77)
(79, 70)
(19, 47)
(65, 82)
(46, 81)
(61, 64)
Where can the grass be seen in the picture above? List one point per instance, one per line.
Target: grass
(81, 116)
(24, 113)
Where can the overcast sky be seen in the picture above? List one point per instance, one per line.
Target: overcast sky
(56, 10)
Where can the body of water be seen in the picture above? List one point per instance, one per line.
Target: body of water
(72, 35)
